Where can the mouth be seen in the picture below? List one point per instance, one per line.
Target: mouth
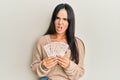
(59, 28)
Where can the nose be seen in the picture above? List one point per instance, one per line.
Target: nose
(60, 21)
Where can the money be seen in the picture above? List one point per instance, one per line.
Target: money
(56, 48)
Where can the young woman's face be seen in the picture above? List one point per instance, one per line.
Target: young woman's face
(61, 22)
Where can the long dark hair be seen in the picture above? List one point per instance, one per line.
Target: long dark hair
(70, 33)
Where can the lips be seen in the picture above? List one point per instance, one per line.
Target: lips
(59, 28)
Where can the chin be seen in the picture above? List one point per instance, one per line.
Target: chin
(58, 31)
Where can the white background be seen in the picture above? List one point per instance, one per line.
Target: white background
(97, 24)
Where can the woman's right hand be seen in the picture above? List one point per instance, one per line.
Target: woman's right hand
(49, 62)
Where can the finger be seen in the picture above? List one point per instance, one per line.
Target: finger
(52, 64)
(64, 65)
(51, 60)
(51, 57)
(63, 61)
(47, 61)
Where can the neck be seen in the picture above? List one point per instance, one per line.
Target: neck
(60, 36)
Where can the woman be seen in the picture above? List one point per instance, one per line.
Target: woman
(62, 29)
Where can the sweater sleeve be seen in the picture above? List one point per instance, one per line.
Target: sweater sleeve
(36, 65)
(75, 71)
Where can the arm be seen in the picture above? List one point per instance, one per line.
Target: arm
(37, 64)
(75, 71)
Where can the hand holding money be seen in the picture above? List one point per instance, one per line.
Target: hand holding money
(49, 62)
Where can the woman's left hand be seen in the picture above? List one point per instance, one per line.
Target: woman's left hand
(63, 61)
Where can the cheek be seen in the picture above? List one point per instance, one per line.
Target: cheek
(55, 23)
(66, 25)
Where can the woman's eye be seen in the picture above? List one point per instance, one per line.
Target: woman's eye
(57, 18)
(65, 19)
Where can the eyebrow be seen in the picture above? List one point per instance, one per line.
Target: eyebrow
(63, 18)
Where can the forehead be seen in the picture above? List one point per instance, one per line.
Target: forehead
(62, 13)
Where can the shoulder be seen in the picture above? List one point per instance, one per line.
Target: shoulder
(79, 43)
(43, 39)
(78, 40)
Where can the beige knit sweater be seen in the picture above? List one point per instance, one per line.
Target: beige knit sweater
(74, 72)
